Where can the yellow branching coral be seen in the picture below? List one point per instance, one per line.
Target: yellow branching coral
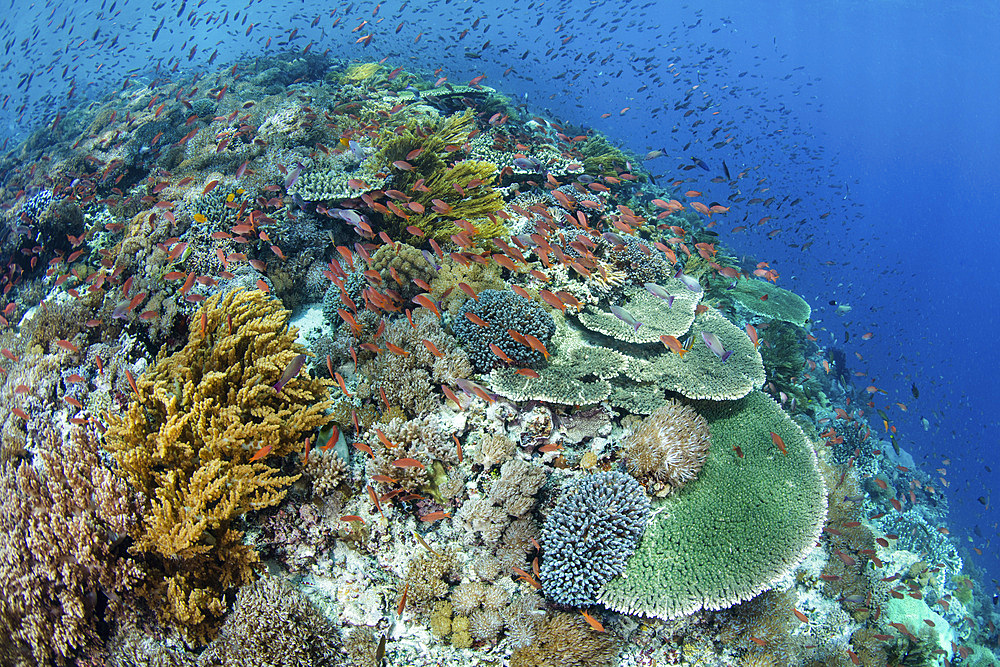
(188, 441)
(477, 201)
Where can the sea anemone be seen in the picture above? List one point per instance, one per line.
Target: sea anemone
(669, 446)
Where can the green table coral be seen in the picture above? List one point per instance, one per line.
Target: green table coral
(762, 298)
(700, 374)
(752, 515)
(658, 319)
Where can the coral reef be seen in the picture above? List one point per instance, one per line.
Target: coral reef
(762, 298)
(657, 318)
(63, 519)
(566, 640)
(502, 311)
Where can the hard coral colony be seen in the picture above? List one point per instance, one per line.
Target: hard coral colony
(519, 413)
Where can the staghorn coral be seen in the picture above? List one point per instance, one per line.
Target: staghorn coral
(62, 519)
(502, 311)
(186, 441)
(751, 516)
(587, 538)
(566, 640)
(669, 446)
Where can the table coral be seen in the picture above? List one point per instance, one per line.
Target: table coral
(186, 443)
(762, 298)
(752, 515)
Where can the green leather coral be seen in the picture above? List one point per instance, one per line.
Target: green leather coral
(752, 515)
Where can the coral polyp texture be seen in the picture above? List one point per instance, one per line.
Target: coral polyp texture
(589, 535)
(669, 446)
(656, 316)
(753, 513)
(700, 373)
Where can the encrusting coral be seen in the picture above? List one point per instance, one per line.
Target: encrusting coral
(195, 443)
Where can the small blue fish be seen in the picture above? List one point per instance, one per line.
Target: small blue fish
(626, 317)
(291, 371)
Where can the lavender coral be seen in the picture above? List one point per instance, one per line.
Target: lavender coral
(503, 311)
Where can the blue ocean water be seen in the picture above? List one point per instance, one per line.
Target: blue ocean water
(871, 124)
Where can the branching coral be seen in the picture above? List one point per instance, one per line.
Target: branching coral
(187, 440)
(407, 380)
(589, 536)
(60, 520)
(502, 311)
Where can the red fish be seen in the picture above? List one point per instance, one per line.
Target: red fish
(261, 453)
(779, 442)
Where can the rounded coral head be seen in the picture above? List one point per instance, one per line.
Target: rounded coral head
(670, 446)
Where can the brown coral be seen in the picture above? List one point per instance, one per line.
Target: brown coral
(187, 440)
(60, 519)
(566, 640)
(670, 446)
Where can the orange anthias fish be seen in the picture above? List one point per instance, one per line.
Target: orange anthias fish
(779, 442)
(673, 344)
(261, 453)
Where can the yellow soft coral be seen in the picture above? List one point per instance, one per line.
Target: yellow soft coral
(186, 443)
